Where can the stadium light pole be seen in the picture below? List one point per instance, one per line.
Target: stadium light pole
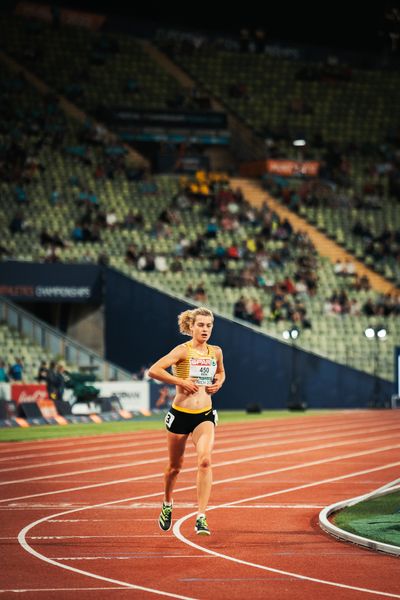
(299, 143)
(377, 334)
(294, 401)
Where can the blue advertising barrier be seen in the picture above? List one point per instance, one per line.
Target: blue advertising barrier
(141, 326)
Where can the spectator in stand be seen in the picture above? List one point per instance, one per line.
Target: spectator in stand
(160, 263)
(18, 223)
(131, 255)
(51, 255)
(200, 294)
(301, 288)
(43, 370)
(3, 373)
(146, 262)
(355, 307)
(239, 309)
(77, 233)
(349, 269)
(218, 265)
(133, 220)
(233, 252)
(364, 283)
(16, 370)
(176, 266)
(54, 197)
(212, 228)
(45, 237)
(338, 267)
(111, 219)
(20, 195)
(289, 286)
(257, 314)
(189, 292)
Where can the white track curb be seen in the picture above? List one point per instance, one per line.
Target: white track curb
(341, 534)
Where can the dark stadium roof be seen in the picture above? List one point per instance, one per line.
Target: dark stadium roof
(342, 25)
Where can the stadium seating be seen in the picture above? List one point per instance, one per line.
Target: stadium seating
(13, 345)
(339, 338)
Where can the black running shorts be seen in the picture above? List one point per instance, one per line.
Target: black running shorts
(178, 421)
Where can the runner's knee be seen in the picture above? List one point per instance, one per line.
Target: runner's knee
(174, 468)
(204, 461)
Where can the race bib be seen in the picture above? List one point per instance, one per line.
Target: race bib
(202, 370)
(169, 419)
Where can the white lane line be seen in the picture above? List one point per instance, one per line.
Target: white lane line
(225, 450)
(122, 584)
(177, 532)
(181, 505)
(283, 436)
(273, 506)
(85, 441)
(132, 557)
(286, 424)
(22, 536)
(91, 445)
(91, 442)
(283, 425)
(155, 506)
(173, 556)
(78, 537)
(112, 519)
(221, 464)
(60, 589)
(86, 458)
(127, 453)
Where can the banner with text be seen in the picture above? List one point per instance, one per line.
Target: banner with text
(165, 119)
(28, 392)
(291, 168)
(36, 282)
(133, 395)
(51, 13)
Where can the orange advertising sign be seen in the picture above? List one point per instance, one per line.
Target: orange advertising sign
(290, 168)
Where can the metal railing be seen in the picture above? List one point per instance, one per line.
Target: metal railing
(57, 344)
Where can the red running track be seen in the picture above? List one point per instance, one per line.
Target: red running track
(79, 517)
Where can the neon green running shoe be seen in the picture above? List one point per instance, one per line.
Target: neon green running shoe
(201, 527)
(165, 518)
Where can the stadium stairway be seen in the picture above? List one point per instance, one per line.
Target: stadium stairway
(254, 193)
(244, 143)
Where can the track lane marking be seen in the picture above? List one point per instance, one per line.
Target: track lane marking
(283, 438)
(283, 425)
(26, 546)
(60, 589)
(191, 469)
(222, 450)
(177, 532)
(222, 439)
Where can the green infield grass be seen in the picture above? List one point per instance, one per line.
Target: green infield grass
(376, 519)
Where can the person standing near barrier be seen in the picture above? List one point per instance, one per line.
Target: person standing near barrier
(198, 373)
(56, 377)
